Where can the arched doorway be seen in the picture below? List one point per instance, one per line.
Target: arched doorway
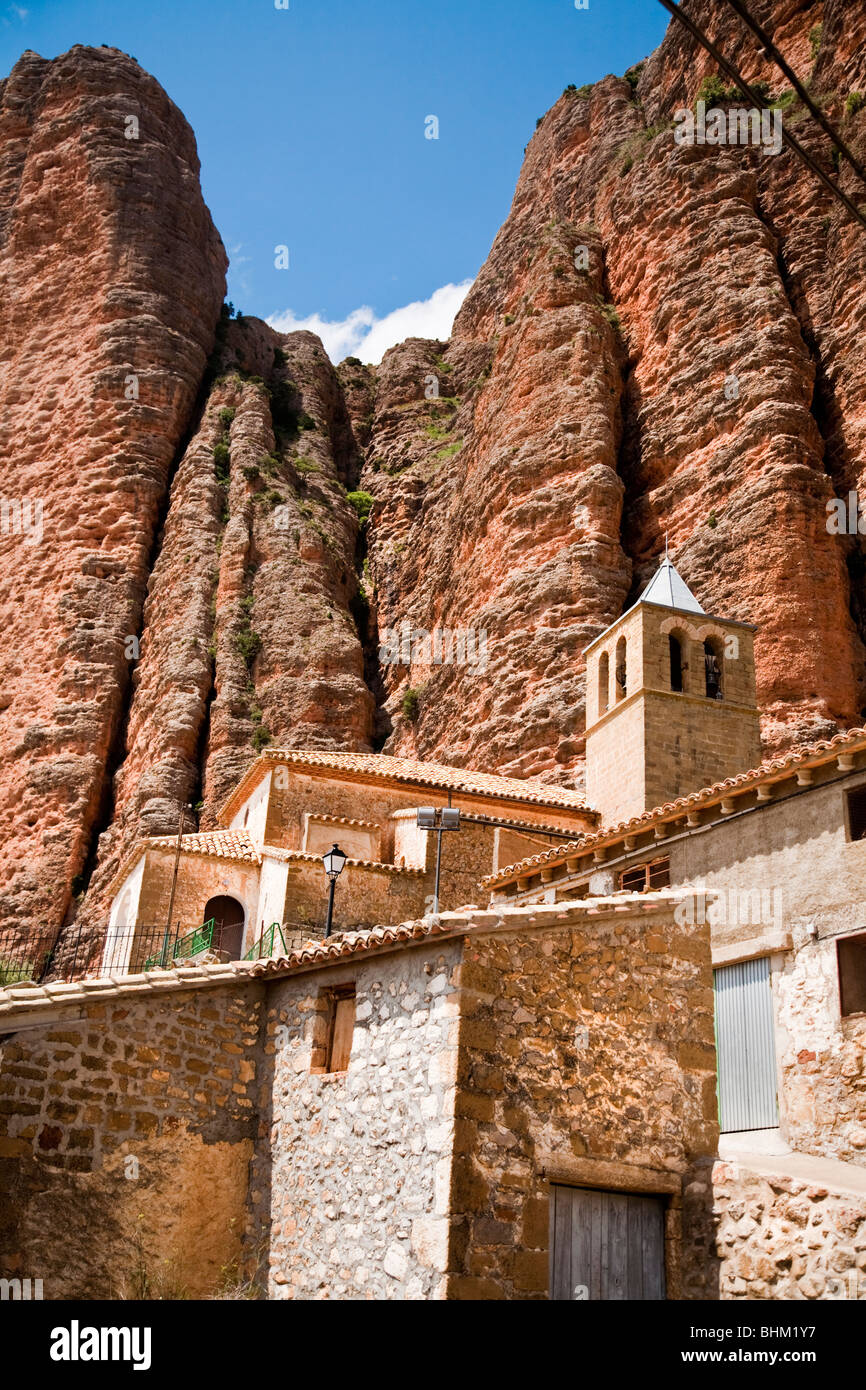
(228, 915)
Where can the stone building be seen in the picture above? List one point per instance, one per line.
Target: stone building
(771, 858)
(389, 1114)
(671, 701)
(638, 1072)
(263, 864)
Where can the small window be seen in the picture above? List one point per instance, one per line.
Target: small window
(676, 655)
(342, 1026)
(603, 681)
(642, 877)
(857, 813)
(660, 874)
(851, 956)
(713, 671)
(633, 879)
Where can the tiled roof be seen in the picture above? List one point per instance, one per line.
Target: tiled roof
(217, 844)
(354, 943)
(406, 770)
(305, 856)
(801, 755)
(222, 844)
(323, 817)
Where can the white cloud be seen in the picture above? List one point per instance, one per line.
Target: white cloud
(362, 334)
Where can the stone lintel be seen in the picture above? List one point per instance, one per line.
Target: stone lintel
(609, 1174)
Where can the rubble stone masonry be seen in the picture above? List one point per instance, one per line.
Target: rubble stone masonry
(586, 1057)
(782, 1237)
(126, 1132)
(352, 1169)
(179, 1133)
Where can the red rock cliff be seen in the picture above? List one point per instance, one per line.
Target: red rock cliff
(111, 280)
(524, 473)
(590, 410)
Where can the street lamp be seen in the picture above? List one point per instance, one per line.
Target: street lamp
(180, 829)
(446, 818)
(333, 861)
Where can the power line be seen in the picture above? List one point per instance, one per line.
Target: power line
(756, 101)
(802, 92)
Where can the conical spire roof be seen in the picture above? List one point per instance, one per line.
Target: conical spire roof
(668, 588)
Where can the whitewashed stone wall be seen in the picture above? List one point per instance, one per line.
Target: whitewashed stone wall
(822, 1057)
(358, 1185)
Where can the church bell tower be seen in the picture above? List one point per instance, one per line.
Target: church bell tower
(670, 702)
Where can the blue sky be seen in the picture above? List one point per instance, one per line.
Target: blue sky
(310, 124)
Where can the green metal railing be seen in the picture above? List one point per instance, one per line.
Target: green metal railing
(263, 949)
(184, 947)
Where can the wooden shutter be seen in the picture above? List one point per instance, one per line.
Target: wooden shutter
(660, 873)
(857, 813)
(342, 1028)
(851, 952)
(634, 879)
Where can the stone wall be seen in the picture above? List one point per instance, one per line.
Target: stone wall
(586, 1056)
(126, 1133)
(784, 1237)
(821, 1057)
(351, 1174)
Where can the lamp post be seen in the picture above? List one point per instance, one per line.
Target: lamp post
(333, 862)
(180, 828)
(446, 818)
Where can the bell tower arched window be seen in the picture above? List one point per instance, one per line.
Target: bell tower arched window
(676, 663)
(713, 670)
(603, 682)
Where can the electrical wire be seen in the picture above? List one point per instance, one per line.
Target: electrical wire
(756, 101)
(772, 51)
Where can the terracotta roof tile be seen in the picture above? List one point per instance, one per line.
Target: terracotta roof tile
(413, 773)
(306, 856)
(222, 844)
(824, 750)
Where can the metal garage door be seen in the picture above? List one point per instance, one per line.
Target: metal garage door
(607, 1245)
(746, 1046)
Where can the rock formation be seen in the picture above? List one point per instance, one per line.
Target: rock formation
(111, 280)
(664, 340)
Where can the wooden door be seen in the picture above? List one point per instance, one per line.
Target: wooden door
(606, 1245)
